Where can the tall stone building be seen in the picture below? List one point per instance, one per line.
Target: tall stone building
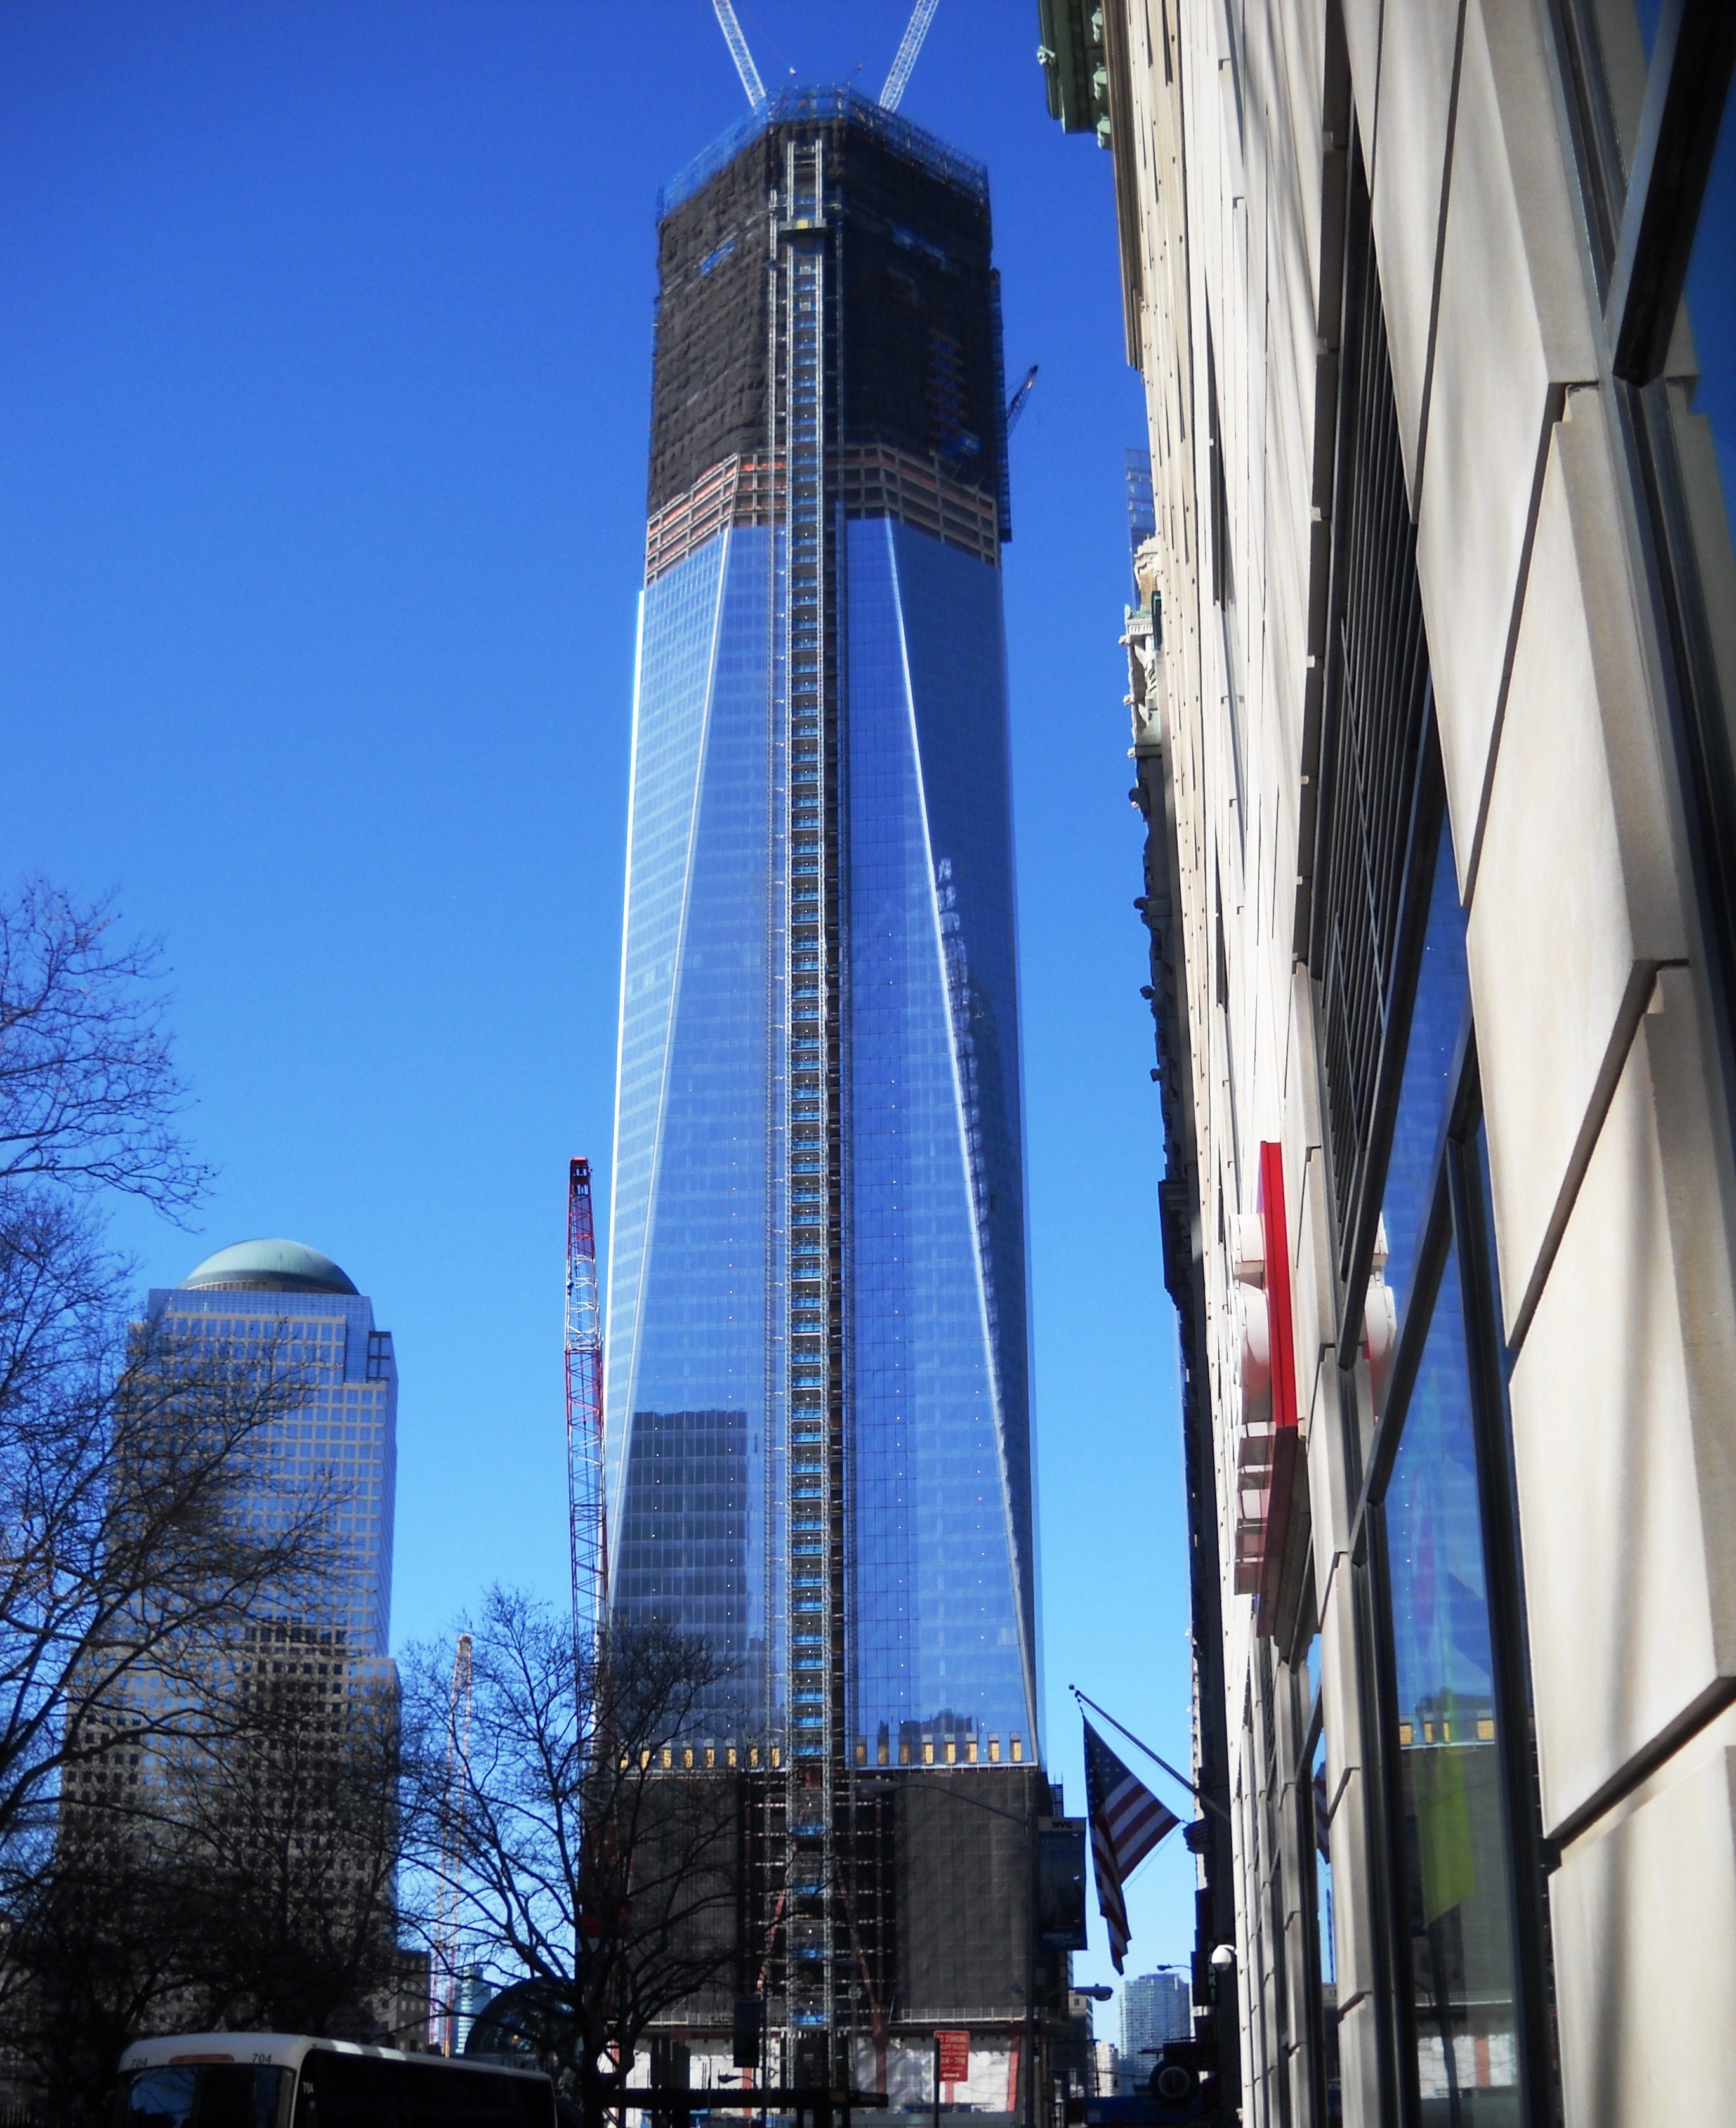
(1433, 676)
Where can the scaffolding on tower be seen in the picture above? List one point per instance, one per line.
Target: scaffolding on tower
(585, 1421)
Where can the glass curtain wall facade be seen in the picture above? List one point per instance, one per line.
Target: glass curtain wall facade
(339, 1445)
(326, 1463)
(894, 1112)
(817, 1448)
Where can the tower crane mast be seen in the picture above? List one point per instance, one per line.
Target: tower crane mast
(910, 48)
(444, 1962)
(585, 1417)
(738, 52)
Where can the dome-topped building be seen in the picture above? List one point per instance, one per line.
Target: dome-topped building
(265, 1267)
(332, 1449)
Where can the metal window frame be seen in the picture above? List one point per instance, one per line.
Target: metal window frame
(1360, 1091)
(1456, 1218)
(1639, 226)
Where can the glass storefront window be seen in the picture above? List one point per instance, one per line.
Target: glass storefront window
(1452, 1847)
(1441, 986)
(1318, 1804)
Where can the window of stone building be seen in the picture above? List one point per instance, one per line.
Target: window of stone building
(1223, 596)
(1455, 1785)
(1378, 778)
(1313, 1800)
(1310, 2001)
(1646, 88)
(1454, 1882)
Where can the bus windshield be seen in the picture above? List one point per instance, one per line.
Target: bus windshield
(202, 2095)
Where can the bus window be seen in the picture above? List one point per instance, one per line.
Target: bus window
(203, 2095)
(158, 2098)
(362, 2091)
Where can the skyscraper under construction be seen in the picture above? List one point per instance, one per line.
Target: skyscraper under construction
(817, 1431)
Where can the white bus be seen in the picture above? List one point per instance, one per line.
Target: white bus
(270, 2080)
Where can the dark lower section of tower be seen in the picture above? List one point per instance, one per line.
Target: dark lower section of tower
(931, 1922)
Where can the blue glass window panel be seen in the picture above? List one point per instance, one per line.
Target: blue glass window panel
(331, 1349)
(677, 636)
(688, 1301)
(1441, 988)
(941, 1500)
(1453, 1847)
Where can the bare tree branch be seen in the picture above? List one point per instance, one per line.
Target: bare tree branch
(585, 1863)
(88, 1091)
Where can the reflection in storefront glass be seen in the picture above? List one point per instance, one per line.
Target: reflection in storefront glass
(1442, 985)
(1454, 1844)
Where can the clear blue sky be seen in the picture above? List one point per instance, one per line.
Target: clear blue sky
(325, 339)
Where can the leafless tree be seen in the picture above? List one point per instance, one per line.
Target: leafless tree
(247, 1882)
(596, 1859)
(88, 1091)
(288, 1818)
(123, 1556)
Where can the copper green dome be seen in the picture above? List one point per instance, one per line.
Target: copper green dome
(270, 1267)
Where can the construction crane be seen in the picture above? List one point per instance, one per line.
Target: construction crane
(915, 30)
(1016, 405)
(453, 1810)
(584, 1421)
(738, 52)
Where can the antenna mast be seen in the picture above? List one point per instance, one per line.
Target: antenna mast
(584, 1419)
(915, 30)
(738, 51)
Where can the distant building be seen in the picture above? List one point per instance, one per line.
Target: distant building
(303, 1675)
(341, 1442)
(1154, 2008)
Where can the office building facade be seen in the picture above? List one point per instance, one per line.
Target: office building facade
(336, 1445)
(256, 1752)
(1155, 2008)
(1433, 678)
(817, 1424)
(322, 1464)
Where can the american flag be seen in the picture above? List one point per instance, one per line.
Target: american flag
(1127, 1821)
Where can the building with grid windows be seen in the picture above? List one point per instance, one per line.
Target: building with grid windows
(339, 1444)
(1432, 663)
(817, 1435)
(1154, 2009)
(254, 1755)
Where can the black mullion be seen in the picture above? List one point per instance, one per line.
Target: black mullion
(1503, 1576)
(1393, 1986)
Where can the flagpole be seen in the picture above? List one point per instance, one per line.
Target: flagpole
(1199, 1795)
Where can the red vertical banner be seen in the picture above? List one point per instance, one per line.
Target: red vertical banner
(1280, 1331)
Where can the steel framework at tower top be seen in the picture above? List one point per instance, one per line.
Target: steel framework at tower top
(584, 1416)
